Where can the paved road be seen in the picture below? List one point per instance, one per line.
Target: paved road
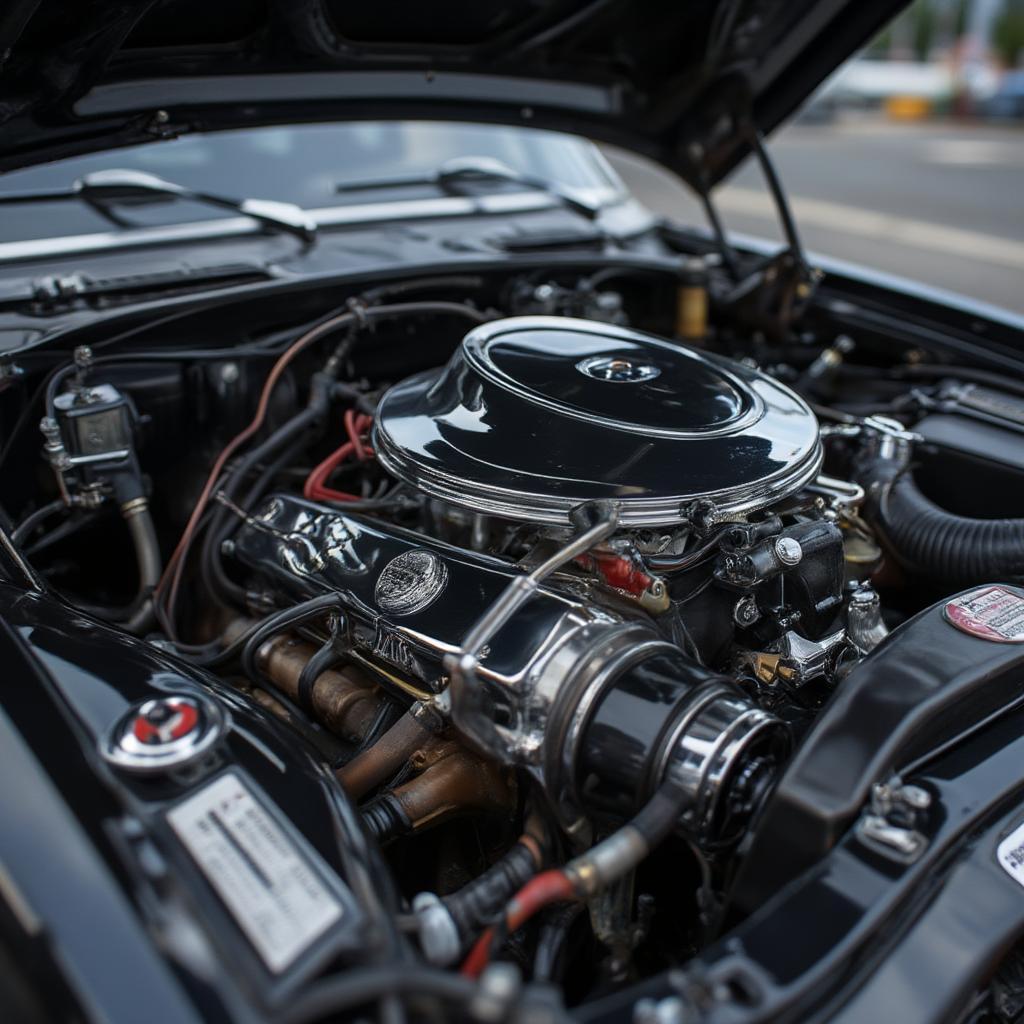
(942, 204)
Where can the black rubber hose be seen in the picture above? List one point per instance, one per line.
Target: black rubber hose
(147, 555)
(258, 634)
(326, 657)
(269, 627)
(27, 526)
(624, 849)
(288, 435)
(480, 901)
(137, 616)
(551, 942)
(212, 569)
(77, 520)
(385, 819)
(957, 550)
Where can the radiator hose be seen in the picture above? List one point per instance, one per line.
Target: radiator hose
(953, 549)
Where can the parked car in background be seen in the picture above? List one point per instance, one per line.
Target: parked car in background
(1007, 102)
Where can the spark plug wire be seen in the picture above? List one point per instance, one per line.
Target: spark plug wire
(356, 427)
(166, 591)
(170, 582)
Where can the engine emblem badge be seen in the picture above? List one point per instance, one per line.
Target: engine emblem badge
(410, 582)
(990, 613)
(163, 733)
(617, 369)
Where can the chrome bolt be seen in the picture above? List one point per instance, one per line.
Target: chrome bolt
(865, 596)
(915, 797)
(788, 551)
(745, 612)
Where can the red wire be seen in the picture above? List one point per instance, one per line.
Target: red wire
(352, 425)
(541, 891)
(172, 575)
(314, 488)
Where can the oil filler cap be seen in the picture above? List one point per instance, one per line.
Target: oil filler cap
(163, 733)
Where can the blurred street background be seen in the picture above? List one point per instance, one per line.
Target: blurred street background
(910, 159)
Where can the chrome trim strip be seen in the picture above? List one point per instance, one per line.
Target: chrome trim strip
(323, 217)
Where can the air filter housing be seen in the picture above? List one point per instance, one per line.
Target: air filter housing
(534, 415)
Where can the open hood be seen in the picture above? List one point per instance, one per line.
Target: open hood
(678, 80)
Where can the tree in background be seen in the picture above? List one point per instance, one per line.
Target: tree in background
(920, 27)
(928, 27)
(1008, 33)
(961, 8)
(923, 21)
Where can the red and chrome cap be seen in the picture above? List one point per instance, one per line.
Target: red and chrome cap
(164, 733)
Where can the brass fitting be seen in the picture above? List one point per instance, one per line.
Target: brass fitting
(692, 302)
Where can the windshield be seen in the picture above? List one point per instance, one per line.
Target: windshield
(302, 164)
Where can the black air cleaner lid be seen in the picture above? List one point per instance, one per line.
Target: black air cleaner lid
(534, 415)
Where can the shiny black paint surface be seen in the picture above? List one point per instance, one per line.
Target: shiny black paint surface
(661, 387)
(124, 910)
(861, 937)
(625, 734)
(658, 78)
(926, 685)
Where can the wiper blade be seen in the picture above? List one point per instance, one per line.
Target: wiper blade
(101, 188)
(55, 292)
(453, 175)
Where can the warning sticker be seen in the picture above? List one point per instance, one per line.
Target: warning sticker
(991, 613)
(264, 879)
(1010, 854)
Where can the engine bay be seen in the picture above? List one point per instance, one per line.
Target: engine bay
(608, 614)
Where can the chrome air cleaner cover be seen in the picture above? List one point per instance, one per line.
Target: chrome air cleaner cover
(533, 415)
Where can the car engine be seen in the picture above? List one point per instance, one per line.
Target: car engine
(538, 658)
(605, 632)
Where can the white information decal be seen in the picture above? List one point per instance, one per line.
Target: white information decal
(267, 883)
(1010, 854)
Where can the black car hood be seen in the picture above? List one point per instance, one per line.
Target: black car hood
(679, 80)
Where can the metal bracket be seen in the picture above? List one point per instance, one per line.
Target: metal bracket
(596, 522)
(891, 825)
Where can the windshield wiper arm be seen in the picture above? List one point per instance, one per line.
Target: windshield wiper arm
(452, 175)
(111, 186)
